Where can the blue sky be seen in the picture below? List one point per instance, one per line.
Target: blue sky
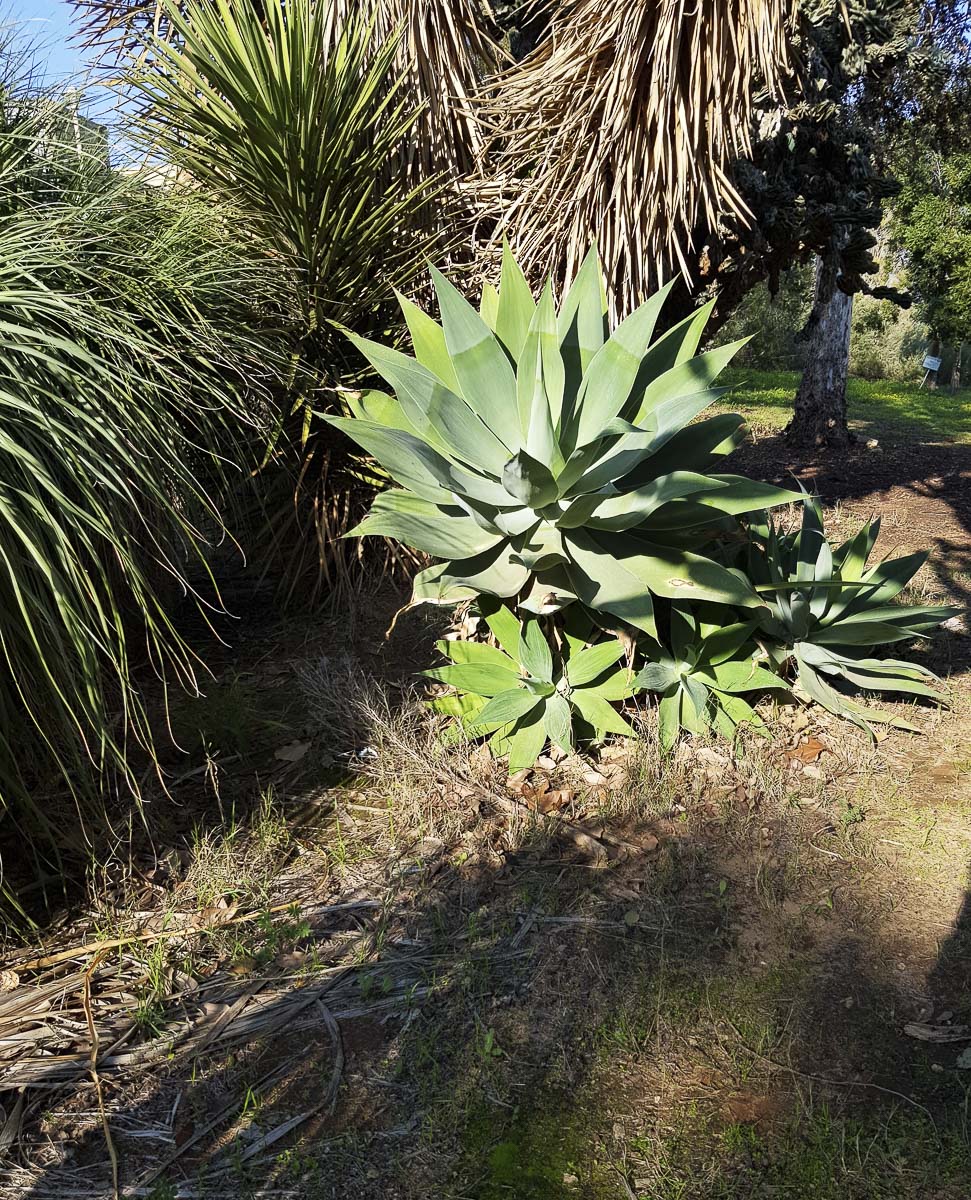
(48, 25)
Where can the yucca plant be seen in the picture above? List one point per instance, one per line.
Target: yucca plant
(703, 673)
(828, 609)
(521, 693)
(300, 119)
(547, 459)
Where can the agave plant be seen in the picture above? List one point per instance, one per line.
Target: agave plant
(546, 460)
(704, 676)
(519, 693)
(828, 608)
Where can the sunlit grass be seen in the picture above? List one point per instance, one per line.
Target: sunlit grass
(878, 408)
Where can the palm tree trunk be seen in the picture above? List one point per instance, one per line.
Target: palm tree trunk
(820, 409)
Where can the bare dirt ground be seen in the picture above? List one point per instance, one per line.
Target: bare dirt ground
(351, 965)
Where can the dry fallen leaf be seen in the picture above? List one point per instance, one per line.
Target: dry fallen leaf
(8, 980)
(555, 799)
(291, 752)
(807, 751)
(516, 783)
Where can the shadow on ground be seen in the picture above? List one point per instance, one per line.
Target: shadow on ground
(716, 1013)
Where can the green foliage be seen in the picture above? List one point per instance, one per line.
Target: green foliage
(931, 224)
(877, 408)
(303, 123)
(704, 674)
(547, 460)
(522, 692)
(773, 323)
(129, 365)
(886, 341)
(828, 607)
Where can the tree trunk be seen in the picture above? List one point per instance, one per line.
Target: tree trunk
(820, 410)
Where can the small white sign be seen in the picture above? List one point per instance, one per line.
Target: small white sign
(931, 363)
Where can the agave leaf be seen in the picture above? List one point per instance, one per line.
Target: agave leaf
(863, 633)
(693, 449)
(507, 707)
(482, 678)
(416, 466)
(536, 379)
(556, 718)
(550, 591)
(489, 306)
(612, 372)
(534, 652)
(618, 685)
(440, 416)
(811, 540)
(540, 549)
(487, 379)
(632, 508)
(406, 458)
(442, 531)
(528, 740)
(851, 557)
(505, 628)
(461, 651)
(615, 460)
(725, 643)
(740, 495)
(428, 342)
(656, 677)
(602, 582)
(747, 676)
(448, 583)
(669, 719)
(592, 662)
(580, 326)
(843, 706)
(685, 379)
(529, 481)
(515, 308)
(382, 409)
(879, 676)
(673, 347)
(679, 576)
(597, 712)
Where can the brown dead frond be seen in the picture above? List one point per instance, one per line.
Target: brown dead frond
(621, 127)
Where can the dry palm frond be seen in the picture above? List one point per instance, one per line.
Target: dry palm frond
(621, 126)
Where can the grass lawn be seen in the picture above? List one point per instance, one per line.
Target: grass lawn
(877, 408)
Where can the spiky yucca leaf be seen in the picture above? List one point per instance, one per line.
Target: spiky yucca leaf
(442, 49)
(546, 459)
(827, 608)
(622, 125)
